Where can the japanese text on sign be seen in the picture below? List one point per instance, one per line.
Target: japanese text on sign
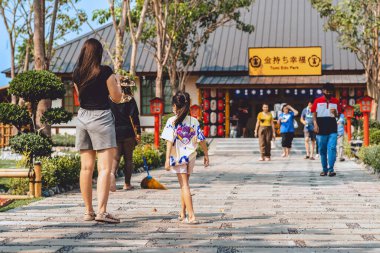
(296, 61)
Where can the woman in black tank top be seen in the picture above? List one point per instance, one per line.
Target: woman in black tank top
(95, 131)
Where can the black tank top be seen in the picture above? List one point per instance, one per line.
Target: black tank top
(95, 95)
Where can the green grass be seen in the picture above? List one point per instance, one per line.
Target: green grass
(8, 164)
(18, 203)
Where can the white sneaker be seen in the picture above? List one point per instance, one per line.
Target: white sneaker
(317, 156)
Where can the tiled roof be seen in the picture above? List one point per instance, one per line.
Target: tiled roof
(278, 23)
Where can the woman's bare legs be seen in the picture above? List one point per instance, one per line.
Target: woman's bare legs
(115, 166)
(87, 158)
(186, 199)
(105, 160)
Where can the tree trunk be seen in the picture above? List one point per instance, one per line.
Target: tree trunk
(40, 58)
(373, 92)
(13, 71)
(119, 50)
(132, 67)
(159, 80)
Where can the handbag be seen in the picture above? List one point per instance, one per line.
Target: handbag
(295, 124)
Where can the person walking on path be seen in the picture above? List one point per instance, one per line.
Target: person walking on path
(286, 119)
(182, 134)
(266, 132)
(341, 122)
(95, 130)
(243, 118)
(128, 134)
(325, 111)
(307, 120)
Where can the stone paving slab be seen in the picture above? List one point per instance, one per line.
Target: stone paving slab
(243, 206)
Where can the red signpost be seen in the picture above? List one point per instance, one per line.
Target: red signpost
(156, 108)
(349, 114)
(365, 107)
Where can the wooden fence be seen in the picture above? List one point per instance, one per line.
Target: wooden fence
(5, 134)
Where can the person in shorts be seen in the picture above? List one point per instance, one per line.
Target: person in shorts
(307, 120)
(95, 130)
(182, 134)
(286, 119)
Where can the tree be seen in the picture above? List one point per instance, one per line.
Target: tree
(357, 23)
(10, 13)
(192, 24)
(43, 49)
(125, 15)
(182, 27)
(33, 86)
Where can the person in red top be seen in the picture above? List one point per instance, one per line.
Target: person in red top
(325, 110)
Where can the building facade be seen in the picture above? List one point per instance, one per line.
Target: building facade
(220, 81)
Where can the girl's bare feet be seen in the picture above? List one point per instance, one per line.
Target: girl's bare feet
(267, 159)
(261, 159)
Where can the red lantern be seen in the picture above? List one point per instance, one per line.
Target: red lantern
(195, 111)
(220, 117)
(344, 92)
(206, 131)
(206, 117)
(220, 94)
(220, 104)
(359, 92)
(156, 106)
(220, 131)
(349, 111)
(206, 105)
(206, 93)
(365, 104)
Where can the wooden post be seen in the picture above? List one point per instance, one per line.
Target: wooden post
(227, 113)
(37, 181)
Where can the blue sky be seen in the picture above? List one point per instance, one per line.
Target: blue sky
(88, 5)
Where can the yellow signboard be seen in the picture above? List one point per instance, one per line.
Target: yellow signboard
(291, 61)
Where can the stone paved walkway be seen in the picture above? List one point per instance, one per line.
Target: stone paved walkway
(244, 206)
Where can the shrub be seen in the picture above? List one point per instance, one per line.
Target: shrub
(371, 156)
(31, 145)
(374, 124)
(60, 171)
(56, 116)
(14, 115)
(374, 136)
(36, 85)
(151, 154)
(18, 186)
(65, 140)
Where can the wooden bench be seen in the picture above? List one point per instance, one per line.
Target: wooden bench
(34, 175)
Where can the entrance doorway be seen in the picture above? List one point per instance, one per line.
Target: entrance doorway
(275, 98)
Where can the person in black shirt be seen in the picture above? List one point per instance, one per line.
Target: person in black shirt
(128, 133)
(95, 130)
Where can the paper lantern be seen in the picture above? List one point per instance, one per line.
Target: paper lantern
(213, 131)
(213, 118)
(237, 92)
(220, 104)
(220, 94)
(344, 92)
(220, 131)
(213, 93)
(206, 93)
(213, 105)
(206, 130)
(221, 118)
(246, 92)
(253, 92)
(352, 101)
(359, 93)
(351, 92)
(206, 105)
(269, 92)
(206, 117)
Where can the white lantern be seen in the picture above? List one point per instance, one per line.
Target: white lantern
(237, 92)
(213, 105)
(253, 92)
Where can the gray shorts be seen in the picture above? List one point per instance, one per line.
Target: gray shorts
(95, 130)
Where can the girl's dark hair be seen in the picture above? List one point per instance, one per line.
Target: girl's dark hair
(182, 101)
(88, 64)
(127, 90)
